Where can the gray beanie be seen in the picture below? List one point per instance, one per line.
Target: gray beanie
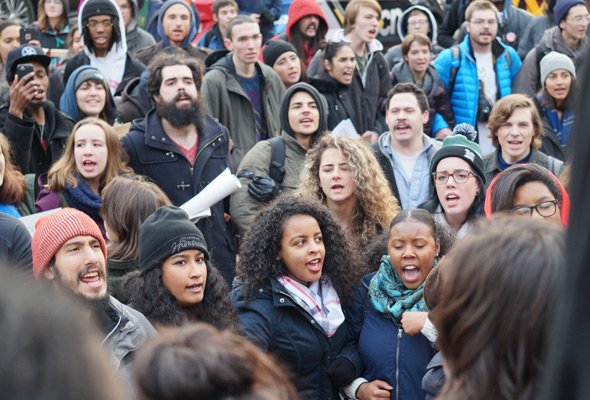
(554, 61)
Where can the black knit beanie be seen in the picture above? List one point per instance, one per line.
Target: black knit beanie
(98, 7)
(166, 232)
(274, 49)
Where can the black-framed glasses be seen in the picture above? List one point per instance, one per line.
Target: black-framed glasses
(459, 176)
(545, 208)
(105, 24)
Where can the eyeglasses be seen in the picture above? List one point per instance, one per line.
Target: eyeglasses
(581, 18)
(418, 22)
(107, 23)
(459, 176)
(544, 209)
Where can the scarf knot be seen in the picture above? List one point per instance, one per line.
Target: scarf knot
(84, 199)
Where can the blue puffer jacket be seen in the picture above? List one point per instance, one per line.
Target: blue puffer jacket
(276, 324)
(465, 91)
(387, 352)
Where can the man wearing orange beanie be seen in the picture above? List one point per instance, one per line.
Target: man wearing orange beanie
(69, 250)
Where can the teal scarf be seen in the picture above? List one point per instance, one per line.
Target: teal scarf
(390, 297)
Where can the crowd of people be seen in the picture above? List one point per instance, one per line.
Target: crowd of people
(399, 228)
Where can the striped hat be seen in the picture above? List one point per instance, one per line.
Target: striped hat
(53, 231)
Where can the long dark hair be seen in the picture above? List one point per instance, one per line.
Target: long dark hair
(149, 296)
(258, 263)
(498, 289)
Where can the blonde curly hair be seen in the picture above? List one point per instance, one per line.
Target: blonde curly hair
(375, 207)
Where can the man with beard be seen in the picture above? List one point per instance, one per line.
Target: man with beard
(306, 28)
(69, 250)
(181, 148)
(479, 71)
(37, 131)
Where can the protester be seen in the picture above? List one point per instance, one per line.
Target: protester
(52, 23)
(223, 12)
(15, 245)
(395, 361)
(361, 27)
(92, 157)
(176, 283)
(306, 28)
(342, 93)
(485, 71)
(282, 57)
(404, 152)
(69, 251)
(556, 103)
(415, 67)
(516, 130)
(303, 122)
(296, 268)
(178, 26)
(181, 148)
(529, 190)
(535, 29)
(344, 175)
(87, 94)
(126, 202)
(137, 38)
(456, 203)
(105, 45)
(415, 19)
(568, 37)
(198, 361)
(49, 348)
(242, 93)
(498, 293)
(56, 77)
(9, 39)
(16, 193)
(36, 130)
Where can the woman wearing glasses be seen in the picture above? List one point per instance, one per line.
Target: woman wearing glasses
(528, 190)
(458, 182)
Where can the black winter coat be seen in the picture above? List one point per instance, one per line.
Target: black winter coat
(152, 153)
(274, 322)
(15, 245)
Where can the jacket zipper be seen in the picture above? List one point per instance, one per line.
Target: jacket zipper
(399, 341)
(191, 168)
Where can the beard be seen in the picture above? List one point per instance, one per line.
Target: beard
(180, 117)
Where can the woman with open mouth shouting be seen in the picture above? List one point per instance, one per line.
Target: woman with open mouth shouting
(344, 175)
(176, 282)
(92, 157)
(295, 272)
(394, 356)
(458, 185)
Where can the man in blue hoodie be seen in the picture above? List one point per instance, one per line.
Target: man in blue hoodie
(178, 25)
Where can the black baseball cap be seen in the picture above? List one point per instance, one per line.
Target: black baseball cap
(23, 54)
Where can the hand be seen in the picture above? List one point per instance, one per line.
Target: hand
(413, 321)
(443, 133)
(374, 390)
(22, 93)
(341, 371)
(35, 43)
(255, 17)
(370, 137)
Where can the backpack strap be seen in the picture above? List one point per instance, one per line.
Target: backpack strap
(456, 55)
(276, 169)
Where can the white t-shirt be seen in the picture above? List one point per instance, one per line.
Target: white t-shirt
(408, 163)
(487, 75)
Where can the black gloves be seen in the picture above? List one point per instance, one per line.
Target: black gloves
(341, 372)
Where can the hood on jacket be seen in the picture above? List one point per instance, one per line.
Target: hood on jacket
(68, 103)
(194, 23)
(374, 46)
(215, 57)
(322, 108)
(302, 8)
(118, 47)
(402, 22)
(134, 14)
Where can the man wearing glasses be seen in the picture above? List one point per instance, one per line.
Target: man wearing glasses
(105, 45)
(516, 130)
(479, 71)
(568, 37)
(405, 152)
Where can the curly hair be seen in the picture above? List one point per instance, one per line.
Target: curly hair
(149, 296)
(64, 169)
(13, 188)
(375, 207)
(258, 262)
